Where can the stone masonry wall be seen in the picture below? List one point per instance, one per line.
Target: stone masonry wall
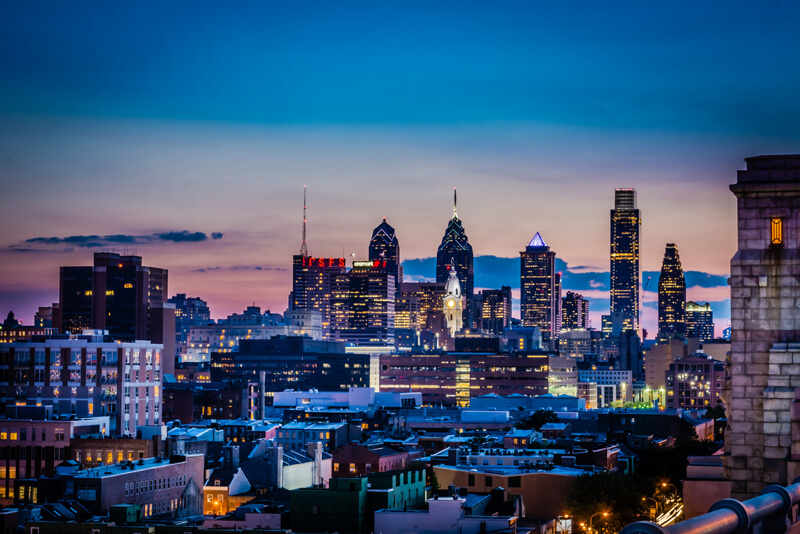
(765, 323)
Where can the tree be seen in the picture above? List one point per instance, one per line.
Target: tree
(616, 494)
(537, 420)
(10, 322)
(716, 412)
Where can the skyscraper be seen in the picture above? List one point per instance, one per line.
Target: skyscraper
(626, 228)
(117, 294)
(384, 246)
(699, 321)
(538, 289)
(311, 280)
(455, 249)
(671, 297)
(575, 311)
(495, 309)
(362, 304)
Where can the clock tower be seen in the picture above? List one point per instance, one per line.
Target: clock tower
(453, 301)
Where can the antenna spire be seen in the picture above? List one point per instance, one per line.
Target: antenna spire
(303, 246)
(455, 203)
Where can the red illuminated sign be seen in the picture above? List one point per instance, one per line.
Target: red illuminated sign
(323, 262)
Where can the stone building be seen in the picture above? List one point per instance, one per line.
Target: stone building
(765, 321)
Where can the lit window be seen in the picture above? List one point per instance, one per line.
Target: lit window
(776, 237)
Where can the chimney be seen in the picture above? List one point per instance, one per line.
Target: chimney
(262, 378)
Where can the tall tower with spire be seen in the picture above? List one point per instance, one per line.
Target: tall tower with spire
(456, 250)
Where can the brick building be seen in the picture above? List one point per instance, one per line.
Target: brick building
(454, 377)
(172, 485)
(354, 459)
(87, 375)
(33, 448)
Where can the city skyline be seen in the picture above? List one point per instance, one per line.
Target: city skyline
(187, 139)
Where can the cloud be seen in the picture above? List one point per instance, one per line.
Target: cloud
(239, 268)
(36, 244)
(183, 236)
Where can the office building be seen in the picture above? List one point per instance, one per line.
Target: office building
(581, 343)
(385, 247)
(695, 382)
(455, 249)
(117, 294)
(671, 297)
(612, 384)
(626, 227)
(362, 304)
(31, 448)
(562, 376)
(293, 363)
(494, 307)
(311, 285)
(225, 334)
(575, 312)
(699, 321)
(538, 289)
(88, 375)
(453, 378)
(189, 312)
(765, 326)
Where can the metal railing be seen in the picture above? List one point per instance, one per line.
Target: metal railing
(775, 510)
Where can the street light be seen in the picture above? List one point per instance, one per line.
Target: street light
(645, 499)
(605, 514)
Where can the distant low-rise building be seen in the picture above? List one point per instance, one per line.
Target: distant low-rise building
(355, 460)
(695, 382)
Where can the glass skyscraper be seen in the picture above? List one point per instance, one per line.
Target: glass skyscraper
(384, 246)
(538, 291)
(626, 228)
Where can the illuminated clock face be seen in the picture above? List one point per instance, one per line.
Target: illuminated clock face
(450, 303)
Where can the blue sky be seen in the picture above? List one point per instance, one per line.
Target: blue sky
(146, 119)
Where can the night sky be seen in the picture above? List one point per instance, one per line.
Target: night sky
(184, 132)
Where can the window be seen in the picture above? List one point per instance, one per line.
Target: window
(489, 481)
(209, 497)
(470, 480)
(776, 234)
(514, 482)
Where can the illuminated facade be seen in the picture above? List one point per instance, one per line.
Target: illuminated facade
(695, 382)
(575, 312)
(225, 335)
(626, 227)
(311, 285)
(671, 297)
(117, 294)
(85, 376)
(699, 321)
(452, 303)
(293, 363)
(495, 309)
(453, 378)
(384, 246)
(189, 312)
(538, 289)
(362, 304)
(455, 249)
